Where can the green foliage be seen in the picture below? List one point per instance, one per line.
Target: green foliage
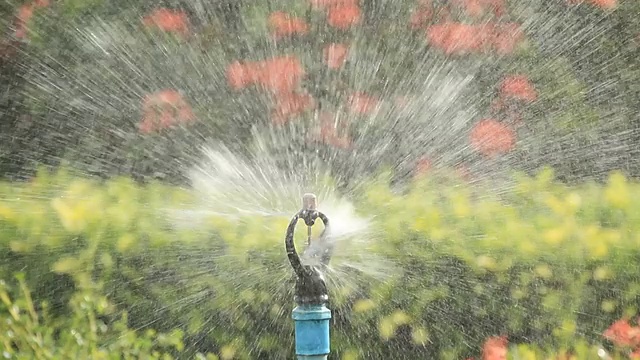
(550, 266)
(30, 333)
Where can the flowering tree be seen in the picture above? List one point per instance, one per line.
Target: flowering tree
(142, 85)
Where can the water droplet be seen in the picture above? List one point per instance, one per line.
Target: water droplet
(602, 353)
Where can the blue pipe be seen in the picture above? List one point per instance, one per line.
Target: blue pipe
(312, 331)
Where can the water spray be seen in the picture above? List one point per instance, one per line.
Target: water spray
(311, 315)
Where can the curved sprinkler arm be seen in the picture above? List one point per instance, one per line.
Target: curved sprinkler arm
(311, 315)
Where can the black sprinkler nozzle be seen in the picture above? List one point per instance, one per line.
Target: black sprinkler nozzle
(311, 287)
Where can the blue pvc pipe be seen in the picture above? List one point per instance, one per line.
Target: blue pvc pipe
(312, 331)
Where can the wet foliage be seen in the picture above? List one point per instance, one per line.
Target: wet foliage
(546, 266)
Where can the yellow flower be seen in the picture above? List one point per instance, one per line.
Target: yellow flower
(386, 328)
(544, 271)
(461, 207)
(350, 354)
(363, 305)
(602, 273)
(554, 236)
(485, 262)
(399, 317)
(419, 335)
(557, 206)
(227, 352)
(528, 247)
(617, 191)
(72, 218)
(608, 306)
(6, 213)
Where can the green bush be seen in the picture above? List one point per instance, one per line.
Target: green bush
(548, 265)
(29, 333)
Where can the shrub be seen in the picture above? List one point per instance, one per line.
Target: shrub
(86, 333)
(545, 264)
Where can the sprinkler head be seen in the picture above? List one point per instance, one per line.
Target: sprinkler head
(310, 287)
(309, 202)
(309, 205)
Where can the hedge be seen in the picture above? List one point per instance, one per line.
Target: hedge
(443, 267)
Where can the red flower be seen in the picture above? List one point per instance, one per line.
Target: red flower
(289, 105)
(283, 24)
(335, 55)
(24, 15)
(605, 4)
(465, 38)
(362, 103)
(343, 16)
(164, 109)
(331, 132)
(463, 172)
(279, 75)
(423, 166)
(322, 4)
(477, 8)
(622, 334)
(507, 36)
(489, 137)
(495, 348)
(458, 38)
(473, 8)
(240, 76)
(518, 87)
(420, 17)
(174, 21)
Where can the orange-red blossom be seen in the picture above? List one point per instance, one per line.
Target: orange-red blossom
(621, 333)
(278, 75)
(341, 14)
(173, 21)
(283, 25)
(490, 138)
(164, 109)
(290, 105)
(362, 103)
(423, 166)
(332, 132)
(477, 8)
(518, 87)
(456, 38)
(24, 15)
(494, 348)
(335, 55)
(603, 4)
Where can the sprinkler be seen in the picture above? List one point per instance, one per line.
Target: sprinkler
(311, 315)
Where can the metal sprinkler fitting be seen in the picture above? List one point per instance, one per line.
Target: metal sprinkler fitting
(311, 316)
